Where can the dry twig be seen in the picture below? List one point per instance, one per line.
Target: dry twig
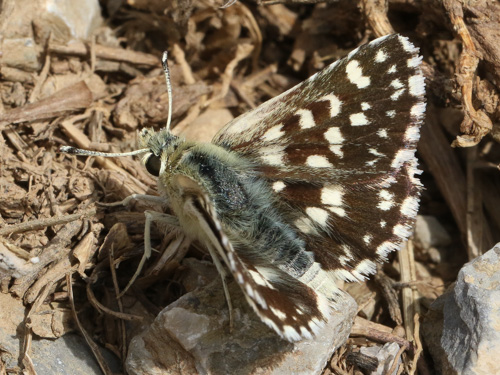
(92, 345)
(69, 99)
(476, 123)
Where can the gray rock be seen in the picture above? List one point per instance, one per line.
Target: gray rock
(385, 355)
(68, 355)
(81, 18)
(20, 53)
(192, 336)
(429, 232)
(462, 329)
(432, 331)
(65, 20)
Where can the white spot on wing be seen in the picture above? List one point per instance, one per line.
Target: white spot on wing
(386, 200)
(365, 267)
(367, 239)
(318, 161)
(412, 133)
(355, 75)
(401, 157)
(407, 45)
(337, 210)
(385, 248)
(305, 333)
(392, 69)
(409, 207)
(390, 113)
(382, 133)
(334, 136)
(337, 150)
(261, 301)
(278, 186)
(374, 151)
(272, 325)
(383, 223)
(381, 56)
(358, 119)
(396, 83)
(401, 231)
(414, 62)
(335, 104)
(418, 110)
(397, 94)
(239, 277)
(305, 225)
(279, 314)
(416, 84)
(332, 198)
(365, 106)
(359, 273)
(273, 133)
(345, 261)
(232, 262)
(272, 155)
(315, 325)
(385, 194)
(347, 258)
(318, 215)
(250, 291)
(306, 118)
(388, 181)
(258, 279)
(371, 163)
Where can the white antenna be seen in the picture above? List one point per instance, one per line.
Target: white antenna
(169, 87)
(79, 151)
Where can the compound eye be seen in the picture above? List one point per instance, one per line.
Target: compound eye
(153, 165)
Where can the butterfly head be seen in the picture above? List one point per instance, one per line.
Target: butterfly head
(159, 145)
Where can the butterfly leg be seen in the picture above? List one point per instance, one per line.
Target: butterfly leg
(150, 217)
(223, 274)
(139, 197)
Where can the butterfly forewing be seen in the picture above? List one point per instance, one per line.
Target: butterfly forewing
(339, 151)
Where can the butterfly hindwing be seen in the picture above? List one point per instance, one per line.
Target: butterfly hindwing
(285, 304)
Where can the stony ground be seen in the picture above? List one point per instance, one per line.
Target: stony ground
(93, 81)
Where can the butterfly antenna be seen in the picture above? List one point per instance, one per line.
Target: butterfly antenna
(79, 151)
(164, 59)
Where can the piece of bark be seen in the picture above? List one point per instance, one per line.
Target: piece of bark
(69, 99)
(107, 53)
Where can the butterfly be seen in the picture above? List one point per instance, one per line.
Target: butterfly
(314, 186)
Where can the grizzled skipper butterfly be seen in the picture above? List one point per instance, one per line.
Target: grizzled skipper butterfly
(313, 186)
